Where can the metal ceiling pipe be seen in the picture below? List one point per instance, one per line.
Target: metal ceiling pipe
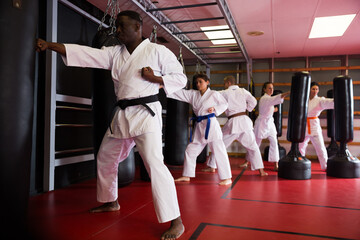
(159, 17)
(184, 6)
(208, 40)
(230, 21)
(193, 20)
(200, 31)
(215, 47)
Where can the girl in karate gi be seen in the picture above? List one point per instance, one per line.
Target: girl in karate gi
(206, 104)
(313, 128)
(264, 124)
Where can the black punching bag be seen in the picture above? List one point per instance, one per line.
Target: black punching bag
(295, 166)
(103, 102)
(18, 33)
(278, 125)
(333, 148)
(343, 164)
(176, 131)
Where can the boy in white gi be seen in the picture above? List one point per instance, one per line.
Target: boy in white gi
(264, 123)
(138, 68)
(313, 127)
(239, 126)
(206, 104)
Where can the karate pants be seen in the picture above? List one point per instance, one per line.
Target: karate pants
(318, 143)
(247, 139)
(112, 151)
(220, 154)
(273, 155)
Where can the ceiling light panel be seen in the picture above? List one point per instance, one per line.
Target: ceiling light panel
(333, 26)
(211, 34)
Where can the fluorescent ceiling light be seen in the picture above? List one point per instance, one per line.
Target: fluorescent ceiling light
(219, 34)
(333, 26)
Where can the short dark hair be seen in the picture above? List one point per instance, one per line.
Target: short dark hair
(314, 84)
(131, 14)
(201, 75)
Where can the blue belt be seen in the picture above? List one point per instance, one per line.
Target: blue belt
(199, 119)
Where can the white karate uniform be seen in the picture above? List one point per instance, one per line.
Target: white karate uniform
(200, 105)
(265, 126)
(134, 125)
(241, 127)
(315, 107)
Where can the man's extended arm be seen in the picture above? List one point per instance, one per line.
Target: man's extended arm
(42, 45)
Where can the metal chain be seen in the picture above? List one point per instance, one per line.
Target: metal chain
(112, 9)
(180, 58)
(153, 34)
(198, 67)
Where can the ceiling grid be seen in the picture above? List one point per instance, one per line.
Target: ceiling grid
(172, 27)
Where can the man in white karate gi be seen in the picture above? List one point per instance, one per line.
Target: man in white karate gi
(138, 67)
(239, 126)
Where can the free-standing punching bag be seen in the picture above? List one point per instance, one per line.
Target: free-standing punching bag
(18, 34)
(343, 164)
(295, 166)
(333, 148)
(278, 125)
(103, 102)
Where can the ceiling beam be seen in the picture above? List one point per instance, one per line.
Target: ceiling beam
(193, 20)
(201, 31)
(184, 6)
(208, 40)
(230, 21)
(220, 46)
(159, 17)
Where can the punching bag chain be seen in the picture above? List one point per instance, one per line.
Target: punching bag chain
(112, 9)
(153, 34)
(181, 60)
(198, 67)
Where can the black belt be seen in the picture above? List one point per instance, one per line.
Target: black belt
(124, 103)
(138, 101)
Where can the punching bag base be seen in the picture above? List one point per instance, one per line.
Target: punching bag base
(282, 152)
(291, 167)
(343, 167)
(332, 149)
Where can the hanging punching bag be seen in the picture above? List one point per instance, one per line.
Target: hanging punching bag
(18, 34)
(343, 164)
(278, 125)
(176, 131)
(176, 126)
(103, 102)
(295, 166)
(330, 118)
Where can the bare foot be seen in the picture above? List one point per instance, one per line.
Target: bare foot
(175, 231)
(276, 167)
(182, 179)
(245, 164)
(262, 172)
(225, 182)
(208, 169)
(106, 207)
